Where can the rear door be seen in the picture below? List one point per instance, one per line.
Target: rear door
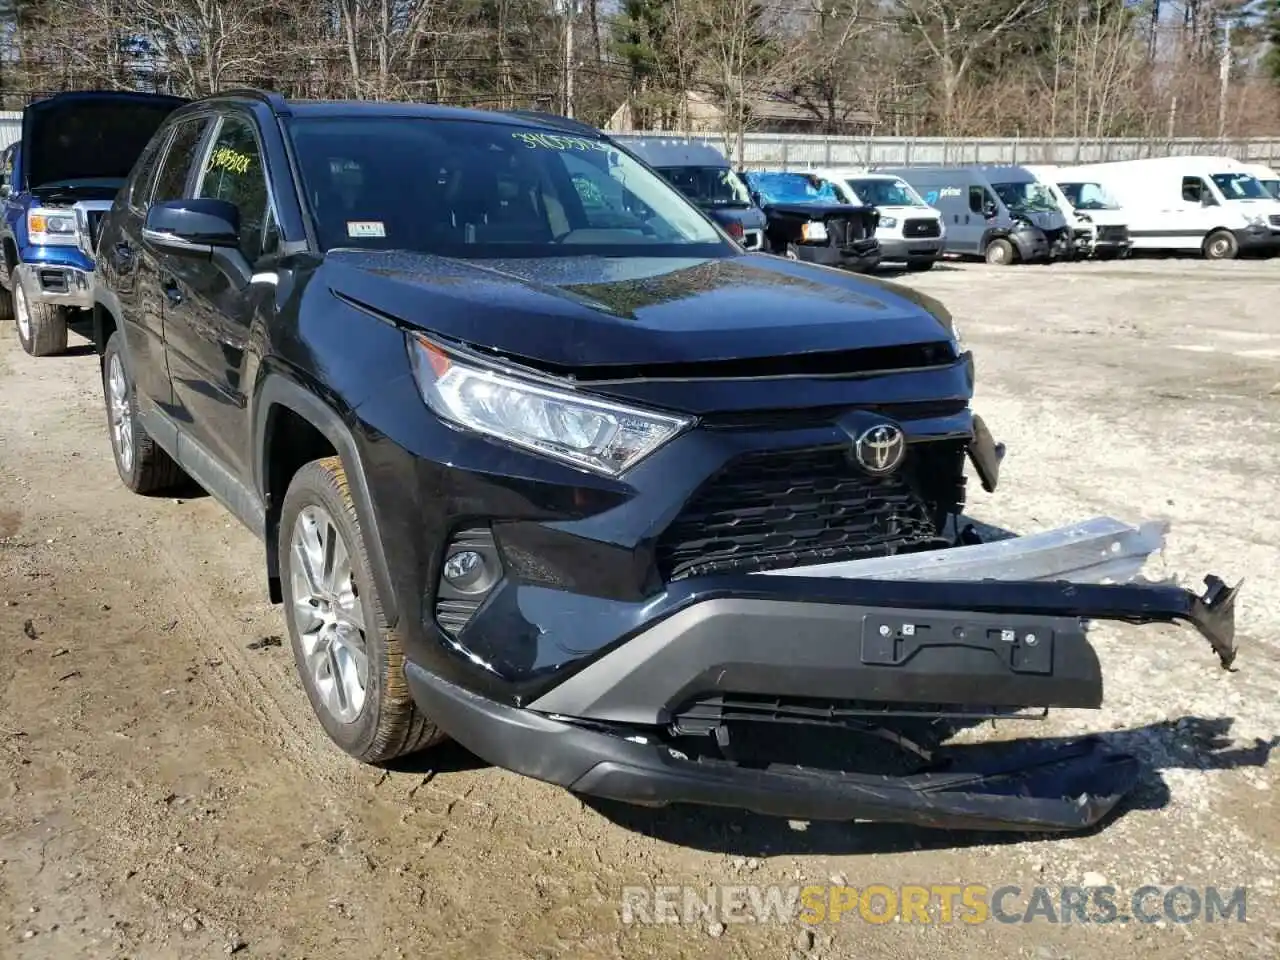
(138, 267)
(208, 316)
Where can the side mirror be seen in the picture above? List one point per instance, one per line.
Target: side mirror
(1206, 200)
(5, 191)
(193, 228)
(989, 210)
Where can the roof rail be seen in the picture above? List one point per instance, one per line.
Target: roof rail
(555, 120)
(271, 98)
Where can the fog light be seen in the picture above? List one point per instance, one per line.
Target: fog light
(464, 569)
(471, 569)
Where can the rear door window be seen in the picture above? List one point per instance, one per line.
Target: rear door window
(171, 182)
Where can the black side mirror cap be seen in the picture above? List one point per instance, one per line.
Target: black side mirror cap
(193, 226)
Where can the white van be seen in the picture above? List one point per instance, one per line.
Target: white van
(1269, 179)
(910, 231)
(1209, 204)
(1099, 226)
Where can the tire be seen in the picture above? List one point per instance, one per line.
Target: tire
(6, 300)
(999, 252)
(1220, 245)
(143, 466)
(920, 266)
(42, 327)
(334, 618)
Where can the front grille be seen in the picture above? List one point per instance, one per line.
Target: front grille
(847, 231)
(1113, 234)
(783, 508)
(921, 228)
(1275, 220)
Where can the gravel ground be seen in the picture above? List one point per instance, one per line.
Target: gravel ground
(164, 792)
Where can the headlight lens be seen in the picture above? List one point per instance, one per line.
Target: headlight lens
(586, 432)
(889, 222)
(51, 226)
(813, 232)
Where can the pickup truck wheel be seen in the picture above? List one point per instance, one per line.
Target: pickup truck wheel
(1220, 245)
(143, 466)
(350, 662)
(999, 252)
(42, 327)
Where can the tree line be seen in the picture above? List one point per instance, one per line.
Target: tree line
(1066, 68)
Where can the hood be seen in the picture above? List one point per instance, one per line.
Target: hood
(752, 218)
(902, 213)
(816, 211)
(89, 134)
(1045, 220)
(1105, 218)
(579, 312)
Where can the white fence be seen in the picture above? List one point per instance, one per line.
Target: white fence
(801, 151)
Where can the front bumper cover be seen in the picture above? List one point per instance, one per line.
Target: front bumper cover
(935, 634)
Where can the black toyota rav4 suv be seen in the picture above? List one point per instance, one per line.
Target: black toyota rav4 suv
(543, 461)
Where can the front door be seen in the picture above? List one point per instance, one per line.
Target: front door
(209, 314)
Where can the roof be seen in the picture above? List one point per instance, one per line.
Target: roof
(393, 109)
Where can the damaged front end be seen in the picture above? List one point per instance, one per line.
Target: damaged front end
(826, 691)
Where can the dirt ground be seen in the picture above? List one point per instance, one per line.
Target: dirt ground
(164, 792)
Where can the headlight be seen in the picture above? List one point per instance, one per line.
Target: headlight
(813, 232)
(889, 222)
(51, 226)
(583, 431)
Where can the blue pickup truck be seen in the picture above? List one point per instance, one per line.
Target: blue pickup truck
(76, 151)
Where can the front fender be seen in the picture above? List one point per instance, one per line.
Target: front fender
(278, 389)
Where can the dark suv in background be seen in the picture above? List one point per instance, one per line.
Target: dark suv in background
(545, 462)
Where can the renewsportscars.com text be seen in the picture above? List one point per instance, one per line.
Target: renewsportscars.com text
(932, 904)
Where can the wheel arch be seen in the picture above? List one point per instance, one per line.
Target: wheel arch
(293, 426)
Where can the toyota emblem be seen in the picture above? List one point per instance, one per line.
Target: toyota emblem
(880, 449)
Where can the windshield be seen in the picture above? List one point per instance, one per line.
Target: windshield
(1240, 186)
(792, 188)
(1030, 197)
(709, 186)
(478, 189)
(1088, 196)
(885, 193)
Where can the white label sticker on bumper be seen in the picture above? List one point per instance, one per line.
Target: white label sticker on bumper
(366, 228)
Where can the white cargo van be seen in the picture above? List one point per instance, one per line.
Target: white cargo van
(910, 231)
(1268, 177)
(1207, 204)
(1099, 227)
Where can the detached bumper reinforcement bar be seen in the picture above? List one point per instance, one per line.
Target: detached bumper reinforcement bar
(1082, 570)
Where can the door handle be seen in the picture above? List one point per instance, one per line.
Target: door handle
(172, 292)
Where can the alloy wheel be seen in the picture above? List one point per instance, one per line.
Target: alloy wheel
(121, 416)
(328, 614)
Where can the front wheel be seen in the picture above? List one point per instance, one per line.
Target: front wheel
(1220, 245)
(999, 252)
(42, 327)
(351, 664)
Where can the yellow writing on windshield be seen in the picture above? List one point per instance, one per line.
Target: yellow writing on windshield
(224, 158)
(555, 141)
